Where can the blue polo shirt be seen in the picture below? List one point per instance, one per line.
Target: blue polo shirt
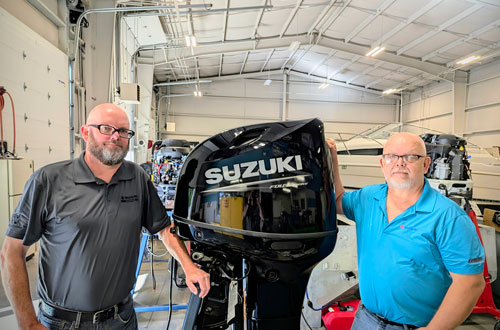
(404, 265)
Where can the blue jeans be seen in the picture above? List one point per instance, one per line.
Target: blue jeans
(125, 320)
(364, 320)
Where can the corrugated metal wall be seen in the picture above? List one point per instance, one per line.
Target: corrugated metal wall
(228, 104)
(432, 106)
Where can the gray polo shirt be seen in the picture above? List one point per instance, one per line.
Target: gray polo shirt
(88, 231)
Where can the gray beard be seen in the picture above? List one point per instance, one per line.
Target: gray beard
(106, 156)
(399, 185)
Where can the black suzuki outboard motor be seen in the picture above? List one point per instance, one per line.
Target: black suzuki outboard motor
(258, 204)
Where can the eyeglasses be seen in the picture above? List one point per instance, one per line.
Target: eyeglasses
(391, 159)
(110, 130)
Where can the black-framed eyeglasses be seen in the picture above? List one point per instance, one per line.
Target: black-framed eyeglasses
(391, 159)
(110, 130)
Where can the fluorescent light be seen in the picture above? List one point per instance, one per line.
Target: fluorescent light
(469, 59)
(191, 41)
(390, 91)
(267, 82)
(324, 86)
(375, 51)
(294, 45)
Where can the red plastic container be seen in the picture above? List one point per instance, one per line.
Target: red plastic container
(340, 317)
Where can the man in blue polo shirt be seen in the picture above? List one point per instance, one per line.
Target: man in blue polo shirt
(420, 260)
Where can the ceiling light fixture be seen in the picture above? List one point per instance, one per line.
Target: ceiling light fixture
(197, 93)
(469, 59)
(294, 45)
(324, 86)
(267, 82)
(390, 91)
(191, 41)
(375, 51)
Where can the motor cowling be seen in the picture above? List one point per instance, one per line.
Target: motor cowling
(262, 190)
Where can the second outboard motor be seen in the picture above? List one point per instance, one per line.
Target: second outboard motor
(449, 171)
(448, 157)
(258, 204)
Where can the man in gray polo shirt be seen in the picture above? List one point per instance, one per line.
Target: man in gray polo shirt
(88, 214)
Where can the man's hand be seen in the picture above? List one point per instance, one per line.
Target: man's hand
(331, 144)
(333, 151)
(193, 273)
(339, 189)
(196, 275)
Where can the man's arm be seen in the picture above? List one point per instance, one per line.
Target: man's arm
(16, 283)
(339, 188)
(193, 273)
(458, 302)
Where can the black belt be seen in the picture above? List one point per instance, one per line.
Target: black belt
(386, 321)
(94, 317)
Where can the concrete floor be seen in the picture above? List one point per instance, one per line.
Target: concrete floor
(146, 296)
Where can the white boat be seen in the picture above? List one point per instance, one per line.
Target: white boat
(359, 161)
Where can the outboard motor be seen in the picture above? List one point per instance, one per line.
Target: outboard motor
(449, 169)
(168, 156)
(258, 205)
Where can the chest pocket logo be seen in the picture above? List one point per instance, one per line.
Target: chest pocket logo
(129, 199)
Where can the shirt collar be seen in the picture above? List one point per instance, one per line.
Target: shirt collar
(83, 174)
(427, 200)
(425, 203)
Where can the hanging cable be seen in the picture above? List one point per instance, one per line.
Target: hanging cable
(171, 264)
(2, 104)
(305, 320)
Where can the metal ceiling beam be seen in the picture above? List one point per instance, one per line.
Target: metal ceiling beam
(290, 18)
(246, 75)
(366, 71)
(244, 62)
(386, 77)
(333, 17)
(409, 82)
(453, 66)
(226, 16)
(462, 40)
(220, 64)
(369, 19)
(184, 82)
(321, 16)
(326, 58)
(334, 44)
(259, 18)
(430, 68)
(267, 59)
(300, 57)
(407, 22)
(205, 11)
(344, 66)
(197, 68)
(289, 58)
(438, 29)
(337, 83)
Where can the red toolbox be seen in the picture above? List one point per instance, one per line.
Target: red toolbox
(340, 315)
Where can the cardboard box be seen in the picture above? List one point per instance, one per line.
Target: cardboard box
(492, 218)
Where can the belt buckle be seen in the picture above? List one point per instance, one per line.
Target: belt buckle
(97, 316)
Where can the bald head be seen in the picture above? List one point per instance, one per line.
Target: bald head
(108, 113)
(406, 140)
